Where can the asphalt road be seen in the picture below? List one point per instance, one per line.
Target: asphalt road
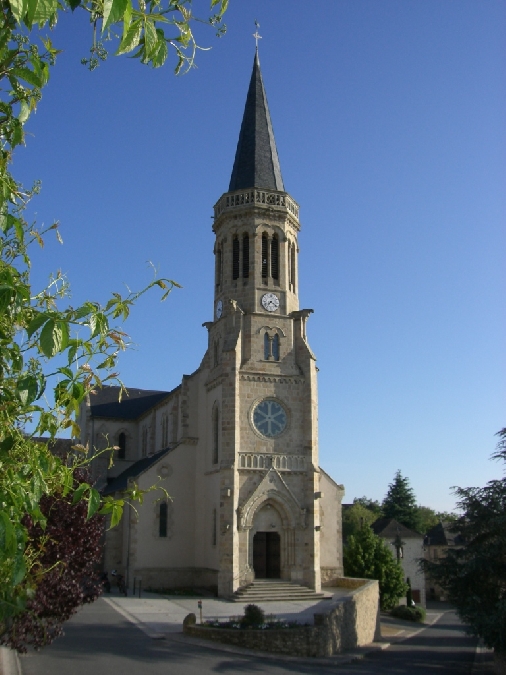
(99, 641)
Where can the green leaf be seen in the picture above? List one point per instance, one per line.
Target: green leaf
(160, 55)
(117, 512)
(28, 76)
(18, 8)
(150, 38)
(54, 337)
(79, 492)
(131, 39)
(6, 445)
(19, 570)
(7, 295)
(24, 112)
(114, 11)
(36, 323)
(27, 389)
(44, 10)
(93, 503)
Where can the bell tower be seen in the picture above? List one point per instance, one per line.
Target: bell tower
(256, 221)
(261, 383)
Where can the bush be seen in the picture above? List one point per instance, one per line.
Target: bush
(253, 616)
(416, 613)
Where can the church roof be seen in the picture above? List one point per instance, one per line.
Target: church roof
(256, 159)
(105, 402)
(120, 483)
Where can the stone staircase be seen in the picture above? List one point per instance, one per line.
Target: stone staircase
(275, 590)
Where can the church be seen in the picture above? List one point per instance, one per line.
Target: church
(235, 444)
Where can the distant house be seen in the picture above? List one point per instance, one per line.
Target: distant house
(436, 543)
(408, 547)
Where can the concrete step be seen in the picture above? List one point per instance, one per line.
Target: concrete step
(275, 591)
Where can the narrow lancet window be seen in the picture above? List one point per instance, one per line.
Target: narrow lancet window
(162, 523)
(267, 346)
(265, 256)
(215, 528)
(235, 257)
(216, 435)
(218, 268)
(275, 257)
(275, 347)
(122, 446)
(292, 267)
(245, 256)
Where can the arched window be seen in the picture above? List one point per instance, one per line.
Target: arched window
(165, 430)
(216, 353)
(235, 257)
(216, 435)
(219, 267)
(267, 346)
(275, 257)
(275, 347)
(144, 441)
(162, 523)
(292, 267)
(214, 532)
(245, 256)
(122, 446)
(265, 256)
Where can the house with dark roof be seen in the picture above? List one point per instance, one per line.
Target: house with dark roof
(236, 443)
(408, 547)
(438, 540)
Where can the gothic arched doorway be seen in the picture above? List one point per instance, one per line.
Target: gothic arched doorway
(267, 555)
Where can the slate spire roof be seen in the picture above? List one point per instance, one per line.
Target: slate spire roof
(256, 159)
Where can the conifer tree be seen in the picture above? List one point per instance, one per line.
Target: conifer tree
(400, 502)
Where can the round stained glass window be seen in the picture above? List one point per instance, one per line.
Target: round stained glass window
(269, 418)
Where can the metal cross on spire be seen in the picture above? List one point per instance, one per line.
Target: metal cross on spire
(256, 34)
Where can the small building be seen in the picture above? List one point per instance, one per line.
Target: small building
(437, 541)
(408, 547)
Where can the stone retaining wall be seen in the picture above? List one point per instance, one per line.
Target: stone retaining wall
(352, 621)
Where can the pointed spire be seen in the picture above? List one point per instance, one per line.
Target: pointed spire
(256, 159)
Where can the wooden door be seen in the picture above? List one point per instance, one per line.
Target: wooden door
(267, 555)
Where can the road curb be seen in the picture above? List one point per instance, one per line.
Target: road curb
(9, 662)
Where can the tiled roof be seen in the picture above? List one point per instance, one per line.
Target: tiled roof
(120, 483)
(105, 402)
(442, 535)
(256, 159)
(389, 527)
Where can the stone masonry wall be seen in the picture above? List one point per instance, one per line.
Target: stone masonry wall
(352, 621)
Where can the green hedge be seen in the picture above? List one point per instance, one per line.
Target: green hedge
(416, 613)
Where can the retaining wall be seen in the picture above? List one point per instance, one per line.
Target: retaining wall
(352, 621)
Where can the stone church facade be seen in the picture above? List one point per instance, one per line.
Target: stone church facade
(236, 443)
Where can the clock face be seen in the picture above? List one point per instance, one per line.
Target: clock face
(270, 302)
(219, 309)
(269, 418)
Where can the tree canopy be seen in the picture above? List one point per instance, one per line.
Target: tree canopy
(400, 502)
(367, 556)
(474, 576)
(52, 354)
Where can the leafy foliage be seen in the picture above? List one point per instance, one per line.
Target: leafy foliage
(474, 577)
(52, 354)
(400, 503)
(253, 616)
(416, 613)
(355, 517)
(367, 556)
(66, 552)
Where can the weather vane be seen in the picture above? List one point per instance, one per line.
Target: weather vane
(256, 34)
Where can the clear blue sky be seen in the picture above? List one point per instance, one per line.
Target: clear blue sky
(390, 122)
